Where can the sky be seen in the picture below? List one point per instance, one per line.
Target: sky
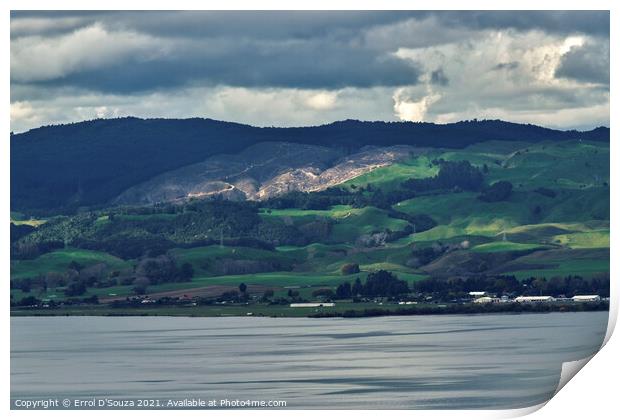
(311, 68)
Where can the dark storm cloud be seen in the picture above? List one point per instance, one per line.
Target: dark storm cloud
(239, 24)
(588, 63)
(311, 65)
(251, 49)
(561, 22)
(264, 49)
(309, 24)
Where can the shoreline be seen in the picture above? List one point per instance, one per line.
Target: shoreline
(274, 311)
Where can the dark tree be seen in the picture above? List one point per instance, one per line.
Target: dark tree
(267, 295)
(76, 288)
(231, 295)
(292, 293)
(461, 175)
(74, 265)
(140, 285)
(384, 283)
(29, 301)
(326, 293)
(358, 288)
(186, 272)
(350, 268)
(19, 231)
(343, 291)
(498, 191)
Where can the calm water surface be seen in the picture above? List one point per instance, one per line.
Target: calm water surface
(417, 362)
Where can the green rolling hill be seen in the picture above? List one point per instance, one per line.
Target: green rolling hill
(554, 222)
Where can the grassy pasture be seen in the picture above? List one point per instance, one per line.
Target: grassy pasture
(593, 239)
(390, 177)
(503, 246)
(350, 223)
(18, 218)
(561, 262)
(584, 268)
(59, 260)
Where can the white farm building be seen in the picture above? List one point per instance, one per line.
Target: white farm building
(529, 299)
(312, 305)
(487, 299)
(586, 298)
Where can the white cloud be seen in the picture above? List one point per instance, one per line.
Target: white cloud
(503, 74)
(408, 109)
(36, 58)
(262, 107)
(22, 114)
(322, 100)
(585, 117)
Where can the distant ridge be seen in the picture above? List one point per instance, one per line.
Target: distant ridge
(479, 127)
(91, 162)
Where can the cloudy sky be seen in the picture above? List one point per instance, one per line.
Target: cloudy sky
(307, 68)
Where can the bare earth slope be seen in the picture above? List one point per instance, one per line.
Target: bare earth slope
(262, 171)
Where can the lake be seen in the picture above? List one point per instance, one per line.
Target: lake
(412, 362)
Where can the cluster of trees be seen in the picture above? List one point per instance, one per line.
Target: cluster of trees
(28, 250)
(509, 285)
(77, 279)
(460, 287)
(131, 233)
(423, 255)
(74, 280)
(357, 197)
(452, 174)
(384, 200)
(385, 284)
(229, 266)
(158, 270)
(33, 301)
(378, 283)
(321, 200)
(18, 231)
(318, 200)
(498, 191)
(127, 245)
(235, 296)
(350, 268)
(570, 285)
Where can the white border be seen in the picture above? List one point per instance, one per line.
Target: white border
(592, 394)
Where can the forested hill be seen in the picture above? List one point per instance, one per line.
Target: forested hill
(91, 162)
